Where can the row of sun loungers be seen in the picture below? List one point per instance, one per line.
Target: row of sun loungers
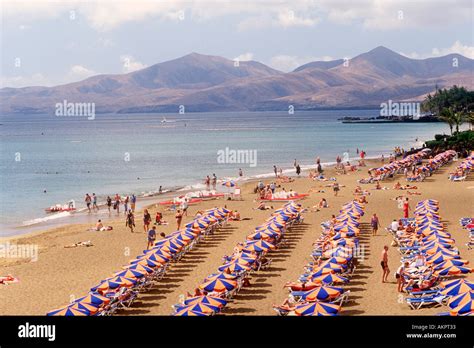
(319, 291)
(121, 290)
(218, 288)
(432, 277)
(468, 224)
(463, 169)
(395, 167)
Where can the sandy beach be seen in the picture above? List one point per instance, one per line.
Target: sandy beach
(61, 274)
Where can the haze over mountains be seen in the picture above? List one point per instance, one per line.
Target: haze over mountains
(210, 83)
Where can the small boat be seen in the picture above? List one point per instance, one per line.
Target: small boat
(70, 206)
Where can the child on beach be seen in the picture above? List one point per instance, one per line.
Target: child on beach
(151, 237)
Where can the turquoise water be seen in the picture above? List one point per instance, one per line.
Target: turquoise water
(69, 156)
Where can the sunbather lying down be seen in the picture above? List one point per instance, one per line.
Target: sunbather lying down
(8, 280)
(287, 305)
(413, 193)
(399, 186)
(87, 243)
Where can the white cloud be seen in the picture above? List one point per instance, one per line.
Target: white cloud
(80, 72)
(24, 81)
(372, 14)
(129, 64)
(456, 47)
(244, 57)
(288, 63)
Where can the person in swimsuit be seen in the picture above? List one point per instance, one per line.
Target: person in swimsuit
(374, 222)
(179, 217)
(130, 220)
(146, 219)
(94, 202)
(406, 208)
(384, 264)
(109, 202)
(133, 201)
(336, 188)
(214, 181)
(88, 202)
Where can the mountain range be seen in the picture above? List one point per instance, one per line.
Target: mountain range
(210, 83)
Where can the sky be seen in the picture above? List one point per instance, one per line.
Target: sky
(46, 43)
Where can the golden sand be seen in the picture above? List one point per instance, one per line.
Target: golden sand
(61, 274)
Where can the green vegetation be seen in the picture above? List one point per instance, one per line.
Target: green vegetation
(461, 142)
(453, 106)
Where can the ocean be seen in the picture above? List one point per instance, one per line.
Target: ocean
(45, 159)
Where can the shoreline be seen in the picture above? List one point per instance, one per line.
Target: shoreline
(49, 222)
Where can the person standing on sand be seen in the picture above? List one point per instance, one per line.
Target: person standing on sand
(374, 222)
(336, 189)
(94, 202)
(214, 181)
(294, 163)
(125, 205)
(240, 172)
(151, 237)
(400, 276)
(133, 201)
(117, 203)
(275, 170)
(109, 203)
(179, 217)
(184, 206)
(130, 220)
(207, 181)
(298, 170)
(146, 220)
(88, 202)
(384, 264)
(406, 208)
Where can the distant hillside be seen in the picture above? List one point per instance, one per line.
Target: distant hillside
(210, 83)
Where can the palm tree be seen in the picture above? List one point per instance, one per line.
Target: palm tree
(458, 119)
(447, 115)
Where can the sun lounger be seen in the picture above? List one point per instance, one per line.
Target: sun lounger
(429, 301)
(422, 293)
